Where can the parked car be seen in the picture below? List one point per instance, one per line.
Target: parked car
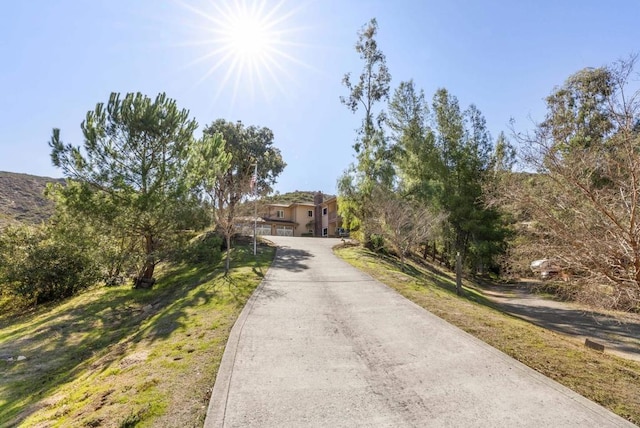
(546, 268)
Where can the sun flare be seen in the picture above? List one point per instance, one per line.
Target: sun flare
(249, 43)
(249, 37)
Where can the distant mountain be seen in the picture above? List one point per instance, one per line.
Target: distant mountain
(22, 198)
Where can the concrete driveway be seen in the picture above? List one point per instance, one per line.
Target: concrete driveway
(322, 344)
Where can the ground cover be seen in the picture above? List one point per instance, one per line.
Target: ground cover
(114, 357)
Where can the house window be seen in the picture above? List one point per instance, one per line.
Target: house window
(324, 211)
(280, 214)
(310, 213)
(325, 231)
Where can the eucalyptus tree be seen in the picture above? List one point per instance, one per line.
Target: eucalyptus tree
(130, 173)
(373, 159)
(586, 215)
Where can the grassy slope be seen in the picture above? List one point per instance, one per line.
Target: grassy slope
(608, 380)
(114, 357)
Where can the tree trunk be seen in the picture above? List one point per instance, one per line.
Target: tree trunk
(146, 279)
(227, 262)
(458, 274)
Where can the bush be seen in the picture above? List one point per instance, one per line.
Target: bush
(376, 242)
(40, 266)
(204, 248)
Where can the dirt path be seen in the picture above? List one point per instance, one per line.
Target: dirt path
(618, 332)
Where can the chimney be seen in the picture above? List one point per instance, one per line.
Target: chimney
(318, 198)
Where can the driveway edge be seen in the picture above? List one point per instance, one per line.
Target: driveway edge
(218, 402)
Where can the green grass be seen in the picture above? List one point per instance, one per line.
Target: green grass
(121, 357)
(608, 380)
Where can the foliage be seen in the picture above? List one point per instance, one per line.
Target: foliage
(586, 214)
(202, 249)
(46, 263)
(414, 141)
(373, 166)
(109, 356)
(239, 153)
(131, 175)
(446, 166)
(439, 163)
(298, 196)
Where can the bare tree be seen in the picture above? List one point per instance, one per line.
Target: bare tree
(402, 223)
(584, 206)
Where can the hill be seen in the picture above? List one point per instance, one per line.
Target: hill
(22, 198)
(299, 196)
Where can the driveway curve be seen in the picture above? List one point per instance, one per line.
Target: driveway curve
(322, 344)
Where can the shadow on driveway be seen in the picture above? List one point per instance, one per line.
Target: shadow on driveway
(618, 332)
(292, 259)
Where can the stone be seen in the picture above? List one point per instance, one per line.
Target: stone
(594, 345)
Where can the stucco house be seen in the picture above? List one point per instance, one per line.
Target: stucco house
(319, 218)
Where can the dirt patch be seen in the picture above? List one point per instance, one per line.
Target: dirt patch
(136, 357)
(619, 332)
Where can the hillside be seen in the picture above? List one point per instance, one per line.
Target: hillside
(299, 196)
(22, 198)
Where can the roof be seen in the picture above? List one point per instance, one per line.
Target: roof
(279, 220)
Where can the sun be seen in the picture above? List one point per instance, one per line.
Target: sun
(249, 43)
(249, 37)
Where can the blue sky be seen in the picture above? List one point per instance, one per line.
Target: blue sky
(61, 57)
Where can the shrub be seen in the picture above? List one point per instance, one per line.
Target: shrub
(39, 265)
(204, 248)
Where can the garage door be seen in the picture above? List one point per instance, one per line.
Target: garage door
(284, 230)
(263, 229)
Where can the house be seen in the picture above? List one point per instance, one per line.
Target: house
(330, 221)
(319, 218)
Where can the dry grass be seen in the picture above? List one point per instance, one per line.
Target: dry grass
(608, 380)
(22, 198)
(114, 357)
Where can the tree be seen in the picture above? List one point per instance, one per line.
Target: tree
(412, 137)
(245, 147)
(504, 156)
(131, 172)
(403, 224)
(208, 162)
(372, 154)
(445, 167)
(585, 214)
